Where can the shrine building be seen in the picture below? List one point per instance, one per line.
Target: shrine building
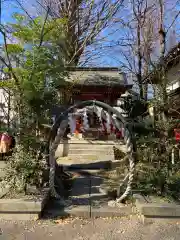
(102, 84)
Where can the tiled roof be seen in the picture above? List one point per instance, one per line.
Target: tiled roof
(96, 76)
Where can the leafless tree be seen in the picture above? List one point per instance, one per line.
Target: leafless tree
(137, 43)
(160, 68)
(143, 39)
(143, 11)
(86, 21)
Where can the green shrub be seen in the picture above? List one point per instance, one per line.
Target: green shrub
(24, 168)
(155, 172)
(173, 186)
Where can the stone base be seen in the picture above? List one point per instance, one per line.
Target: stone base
(24, 208)
(95, 212)
(111, 212)
(19, 216)
(158, 209)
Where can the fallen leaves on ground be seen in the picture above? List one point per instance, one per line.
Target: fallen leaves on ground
(64, 221)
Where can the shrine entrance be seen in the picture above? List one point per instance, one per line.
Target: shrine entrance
(76, 120)
(92, 122)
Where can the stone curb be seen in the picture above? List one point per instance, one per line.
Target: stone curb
(155, 210)
(94, 212)
(80, 211)
(24, 208)
(111, 212)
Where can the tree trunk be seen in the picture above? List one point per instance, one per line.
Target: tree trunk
(139, 75)
(163, 85)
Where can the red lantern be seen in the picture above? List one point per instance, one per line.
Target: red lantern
(177, 134)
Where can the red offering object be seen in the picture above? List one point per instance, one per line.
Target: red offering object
(5, 137)
(5, 143)
(78, 127)
(177, 134)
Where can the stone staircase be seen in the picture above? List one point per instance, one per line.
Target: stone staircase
(91, 150)
(89, 161)
(83, 152)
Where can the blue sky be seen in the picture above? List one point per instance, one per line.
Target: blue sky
(109, 57)
(8, 8)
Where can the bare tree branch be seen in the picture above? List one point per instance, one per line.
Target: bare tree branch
(42, 30)
(177, 15)
(85, 21)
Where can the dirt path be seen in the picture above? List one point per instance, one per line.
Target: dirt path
(101, 229)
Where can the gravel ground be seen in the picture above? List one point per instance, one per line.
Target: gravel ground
(101, 229)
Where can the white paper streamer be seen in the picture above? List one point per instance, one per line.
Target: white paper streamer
(108, 122)
(99, 113)
(85, 120)
(72, 123)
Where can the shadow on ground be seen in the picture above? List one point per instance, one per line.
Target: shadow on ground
(85, 190)
(90, 166)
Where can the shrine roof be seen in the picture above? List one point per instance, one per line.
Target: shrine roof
(96, 77)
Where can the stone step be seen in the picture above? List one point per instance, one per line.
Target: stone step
(97, 151)
(91, 143)
(86, 198)
(83, 171)
(94, 142)
(67, 148)
(91, 156)
(93, 146)
(90, 149)
(89, 212)
(80, 164)
(81, 149)
(85, 210)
